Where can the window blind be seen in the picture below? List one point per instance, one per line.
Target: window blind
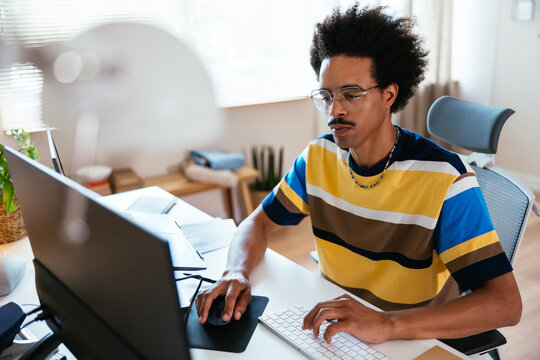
(21, 85)
(255, 51)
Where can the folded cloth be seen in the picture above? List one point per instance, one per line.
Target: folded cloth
(206, 175)
(217, 159)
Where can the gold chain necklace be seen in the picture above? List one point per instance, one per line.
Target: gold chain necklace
(385, 166)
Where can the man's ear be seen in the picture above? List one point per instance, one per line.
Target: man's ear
(390, 94)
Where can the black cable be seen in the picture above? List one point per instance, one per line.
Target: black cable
(194, 295)
(39, 308)
(45, 314)
(211, 281)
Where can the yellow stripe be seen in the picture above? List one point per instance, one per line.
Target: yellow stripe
(469, 246)
(386, 279)
(294, 197)
(423, 195)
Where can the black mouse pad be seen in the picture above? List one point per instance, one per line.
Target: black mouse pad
(233, 337)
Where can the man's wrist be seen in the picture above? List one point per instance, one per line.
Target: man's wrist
(396, 326)
(236, 270)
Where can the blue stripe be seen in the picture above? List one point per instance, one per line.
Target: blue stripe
(375, 256)
(296, 178)
(474, 275)
(328, 137)
(462, 218)
(278, 213)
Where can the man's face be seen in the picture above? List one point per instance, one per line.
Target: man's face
(353, 124)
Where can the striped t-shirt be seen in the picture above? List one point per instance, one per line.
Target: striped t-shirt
(420, 236)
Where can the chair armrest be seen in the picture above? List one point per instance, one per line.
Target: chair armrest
(478, 343)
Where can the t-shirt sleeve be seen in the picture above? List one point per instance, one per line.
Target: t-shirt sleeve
(465, 238)
(287, 204)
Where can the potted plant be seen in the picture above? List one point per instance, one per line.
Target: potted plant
(11, 223)
(270, 170)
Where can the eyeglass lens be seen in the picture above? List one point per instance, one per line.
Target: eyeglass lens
(347, 97)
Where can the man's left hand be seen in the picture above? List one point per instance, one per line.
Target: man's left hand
(349, 316)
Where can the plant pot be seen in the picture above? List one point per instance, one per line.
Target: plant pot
(257, 196)
(11, 226)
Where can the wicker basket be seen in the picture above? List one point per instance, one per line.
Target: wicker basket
(11, 226)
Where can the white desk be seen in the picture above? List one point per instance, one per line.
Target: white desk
(276, 277)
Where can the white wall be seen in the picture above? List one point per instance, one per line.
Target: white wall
(497, 61)
(516, 78)
(289, 124)
(474, 39)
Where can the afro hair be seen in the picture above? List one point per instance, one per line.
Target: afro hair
(397, 54)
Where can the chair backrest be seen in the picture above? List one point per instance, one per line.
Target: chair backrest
(477, 127)
(472, 126)
(509, 204)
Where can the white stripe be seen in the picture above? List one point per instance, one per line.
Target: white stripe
(463, 159)
(421, 165)
(386, 216)
(331, 146)
(464, 184)
(304, 155)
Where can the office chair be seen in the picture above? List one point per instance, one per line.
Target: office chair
(477, 127)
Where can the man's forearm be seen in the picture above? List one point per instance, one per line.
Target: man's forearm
(494, 305)
(249, 243)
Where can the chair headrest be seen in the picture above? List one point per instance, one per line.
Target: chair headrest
(470, 125)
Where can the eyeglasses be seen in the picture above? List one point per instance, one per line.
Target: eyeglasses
(349, 97)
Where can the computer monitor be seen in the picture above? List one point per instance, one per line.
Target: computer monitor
(107, 282)
(55, 157)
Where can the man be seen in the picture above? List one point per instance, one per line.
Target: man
(397, 220)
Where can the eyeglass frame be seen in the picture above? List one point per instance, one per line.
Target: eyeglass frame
(363, 92)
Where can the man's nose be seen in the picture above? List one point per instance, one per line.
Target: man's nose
(337, 108)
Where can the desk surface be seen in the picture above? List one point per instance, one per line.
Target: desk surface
(283, 281)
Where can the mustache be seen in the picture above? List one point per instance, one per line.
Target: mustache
(334, 121)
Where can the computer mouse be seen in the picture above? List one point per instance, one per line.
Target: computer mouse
(215, 312)
(12, 271)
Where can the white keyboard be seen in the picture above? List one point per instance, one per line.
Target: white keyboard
(287, 324)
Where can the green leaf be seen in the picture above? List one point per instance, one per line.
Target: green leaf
(33, 153)
(8, 195)
(270, 182)
(25, 145)
(4, 172)
(263, 172)
(254, 158)
(23, 139)
(280, 166)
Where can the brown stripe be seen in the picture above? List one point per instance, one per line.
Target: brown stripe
(449, 291)
(467, 174)
(413, 241)
(288, 204)
(475, 256)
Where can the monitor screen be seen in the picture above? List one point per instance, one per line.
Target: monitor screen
(108, 283)
(55, 157)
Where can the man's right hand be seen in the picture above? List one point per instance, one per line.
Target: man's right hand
(237, 290)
